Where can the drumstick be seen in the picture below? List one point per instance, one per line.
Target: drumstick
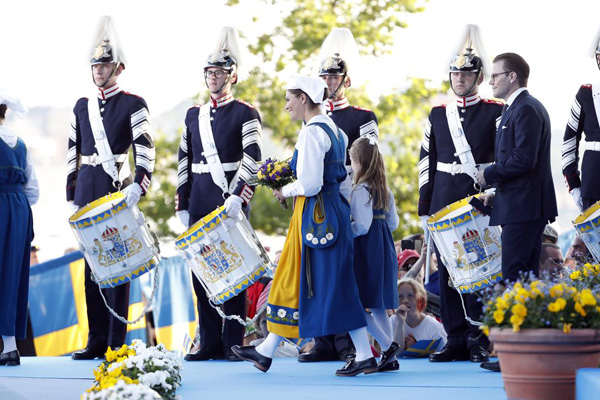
(428, 258)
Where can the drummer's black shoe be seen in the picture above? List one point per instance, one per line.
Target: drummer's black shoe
(392, 366)
(491, 366)
(317, 356)
(479, 354)
(231, 356)
(249, 353)
(353, 367)
(347, 355)
(204, 355)
(388, 355)
(87, 354)
(11, 359)
(450, 353)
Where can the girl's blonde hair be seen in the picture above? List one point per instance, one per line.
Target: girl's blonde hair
(419, 289)
(372, 171)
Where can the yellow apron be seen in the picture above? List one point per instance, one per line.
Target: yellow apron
(284, 297)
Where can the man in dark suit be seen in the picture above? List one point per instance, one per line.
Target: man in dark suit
(525, 200)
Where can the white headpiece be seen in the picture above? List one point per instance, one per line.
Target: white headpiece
(106, 46)
(313, 87)
(595, 46)
(469, 53)
(13, 103)
(226, 53)
(338, 52)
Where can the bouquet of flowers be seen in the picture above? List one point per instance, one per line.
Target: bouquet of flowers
(135, 365)
(565, 303)
(275, 174)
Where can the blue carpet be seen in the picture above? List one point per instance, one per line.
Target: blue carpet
(63, 378)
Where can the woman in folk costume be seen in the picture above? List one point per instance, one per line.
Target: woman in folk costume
(314, 292)
(18, 191)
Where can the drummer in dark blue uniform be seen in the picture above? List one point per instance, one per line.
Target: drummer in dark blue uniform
(92, 173)
(584, 118)
(443, 179)
(336, 53)
(235, 129)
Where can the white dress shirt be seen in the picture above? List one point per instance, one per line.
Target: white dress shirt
(31, 189)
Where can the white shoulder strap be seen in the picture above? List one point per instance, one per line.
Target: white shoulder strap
(596, 97)
(211, 153)
(463, 150)
(105, 155)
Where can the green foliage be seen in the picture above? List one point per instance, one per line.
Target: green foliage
(158, 205)
(267, 215)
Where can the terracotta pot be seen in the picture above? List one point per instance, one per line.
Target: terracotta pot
(541, 363)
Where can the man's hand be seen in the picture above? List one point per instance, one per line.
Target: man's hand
(132, 194)
(481, 179)
(576, 194)
(184, 217)
(73, 208)
(233, 205)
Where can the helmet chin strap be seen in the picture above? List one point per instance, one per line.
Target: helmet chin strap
(470, 89)
(335, 93)
(107, 79)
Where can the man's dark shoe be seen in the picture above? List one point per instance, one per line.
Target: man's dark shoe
(347, 355)
(231, 356)
(392, 366)
(10, 359)
(249, 353)
(87, 354)
(388, 355)
(479, 354)
(449, 353)
(491, 366)
(353, 368)
(317, 356)
(204, 355)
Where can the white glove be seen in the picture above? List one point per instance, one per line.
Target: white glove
(233, 205)
(132, 194)
(73, 208)
(576, 194)
(424, 219)
(184, 217)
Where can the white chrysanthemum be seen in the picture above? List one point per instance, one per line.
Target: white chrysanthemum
(309, 236)
(268, 309)
(281, 313)
(329, 236)
(323, 240)
(296, 315)
(315, 241)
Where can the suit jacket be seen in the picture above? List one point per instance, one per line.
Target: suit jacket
(522, 174)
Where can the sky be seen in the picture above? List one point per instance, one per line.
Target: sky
(46, 44)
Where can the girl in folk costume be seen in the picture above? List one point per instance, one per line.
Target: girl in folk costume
(18, 191)
(375, 266)
(314, 291)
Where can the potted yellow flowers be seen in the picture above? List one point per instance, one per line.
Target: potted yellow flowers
(544, 330)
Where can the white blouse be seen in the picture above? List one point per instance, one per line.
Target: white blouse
(313, 142)
(32, 188)
(362, 211)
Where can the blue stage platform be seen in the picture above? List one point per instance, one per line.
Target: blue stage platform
(61, 378)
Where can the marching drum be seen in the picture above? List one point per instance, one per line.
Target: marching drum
(115, 240)
(470, 248)
(587, 225)
(224, 254)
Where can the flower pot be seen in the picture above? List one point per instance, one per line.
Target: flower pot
(541, 363)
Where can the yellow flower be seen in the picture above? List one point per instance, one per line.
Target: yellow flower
(566, 328)
(556, 290)
(516, 322)
(499, 316)
(588, 298)
(580, 309)
(485, 329)
(536, 292)
(501, 304)
(522, 295)
(520, 310)
(517, 286)
(111, 355)
(557, 305)
(575, 275)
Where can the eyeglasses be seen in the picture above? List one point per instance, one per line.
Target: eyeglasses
(556, 261)
(216, 73)
(494, 76)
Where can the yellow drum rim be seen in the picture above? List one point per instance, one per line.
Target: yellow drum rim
(136, 273)
(194, 233)
(435, 218)
(75, 221)
(222, 297)
(587, 213)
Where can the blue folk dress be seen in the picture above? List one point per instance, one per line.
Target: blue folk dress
(375, 263)
(328, 300)
(16, 233)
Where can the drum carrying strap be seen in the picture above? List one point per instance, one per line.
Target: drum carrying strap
(596, 97)
(211, 153)
(105, 154)
(463, 150)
